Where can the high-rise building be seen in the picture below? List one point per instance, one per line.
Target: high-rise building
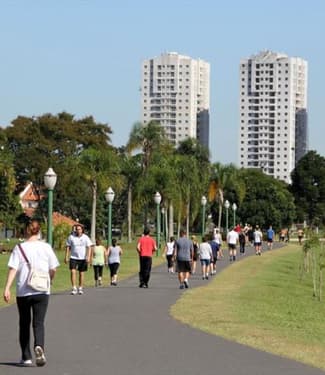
(175, 91)
(273, 113)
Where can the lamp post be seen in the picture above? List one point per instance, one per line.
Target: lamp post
(109, 196)
(227, 205)
(203, 203)
(50, 178)
(234, 208)
(157, 199)
(163, 223)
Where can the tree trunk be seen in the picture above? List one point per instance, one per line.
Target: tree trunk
(220, 216)
(188, 218)
(171, 220)
(93, 213)
(130, 214)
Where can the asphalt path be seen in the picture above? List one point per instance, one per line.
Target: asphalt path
(126, 330)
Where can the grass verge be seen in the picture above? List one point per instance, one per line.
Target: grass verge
(261, 302)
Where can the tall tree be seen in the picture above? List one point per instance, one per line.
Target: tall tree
(222, 177)
(267, 200)
(99, 169)
(308, 188)
(46, 141)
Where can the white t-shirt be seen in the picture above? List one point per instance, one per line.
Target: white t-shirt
(205, 250)
(258, 236)
(78, 246)
(40, 256)
(114, 254)
(217, 238)
(232, 237)
(170, 248)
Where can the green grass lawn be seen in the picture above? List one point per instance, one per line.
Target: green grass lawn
(261, 302)
(129, 266)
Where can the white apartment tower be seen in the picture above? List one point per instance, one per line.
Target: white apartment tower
(175, 91)
(273, 113)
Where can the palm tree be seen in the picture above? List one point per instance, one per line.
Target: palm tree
(222, 177)
(100, 169)
(148, 138)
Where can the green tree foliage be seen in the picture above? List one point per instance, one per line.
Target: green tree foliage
(10, 208)
(267, 201)
(308, 188)
(38, 143)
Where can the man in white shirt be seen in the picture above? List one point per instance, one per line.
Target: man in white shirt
(78, 252)
(232, 240)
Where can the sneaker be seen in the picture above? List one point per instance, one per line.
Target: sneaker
(99, 282)
(74, 291)
(145, 286)
(186, 284)
(26, 362)
(181, 286)
(80, 290)
(39, 355)
(141, 285)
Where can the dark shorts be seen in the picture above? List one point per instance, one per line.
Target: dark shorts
(270, 240)
(184, 266)
(214, 260)
(205, 262)
(78, 264)
(232, 246)
(257, 243)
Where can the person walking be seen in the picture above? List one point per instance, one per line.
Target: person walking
(218, 239)
(215, 250)
(145, 248)
(98, 261)
(78, 253)
(114, 253)
(270, 234)
(205, 257)
(242, 241)
(232, 240)
(196, 254)
(300, 235)
(258, 236)
(168, 253)
(183, 253)
(32, 304)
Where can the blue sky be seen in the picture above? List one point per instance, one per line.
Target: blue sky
(85, 57)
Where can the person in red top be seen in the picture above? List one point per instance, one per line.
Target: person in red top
(146, 247)
(238, 228)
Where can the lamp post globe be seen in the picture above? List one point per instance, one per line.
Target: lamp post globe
(50, 179)
(109, 196)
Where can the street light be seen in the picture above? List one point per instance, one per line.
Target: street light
(163, 223)
(203, 203)
(157, 199)
(50, 178)
(234, 208)
(109, 196)
(227, 205)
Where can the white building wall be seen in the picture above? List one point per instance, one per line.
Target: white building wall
(273, 87)
(171, 87)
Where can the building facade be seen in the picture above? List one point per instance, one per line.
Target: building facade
(175, 91)
(273, 113)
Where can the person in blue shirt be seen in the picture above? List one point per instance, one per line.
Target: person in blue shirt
(270, 237)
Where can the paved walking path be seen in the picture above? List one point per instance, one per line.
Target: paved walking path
(126, 330)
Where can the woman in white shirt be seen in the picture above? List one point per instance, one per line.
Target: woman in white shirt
(205, 251)
(113, 253)
(40, 256)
